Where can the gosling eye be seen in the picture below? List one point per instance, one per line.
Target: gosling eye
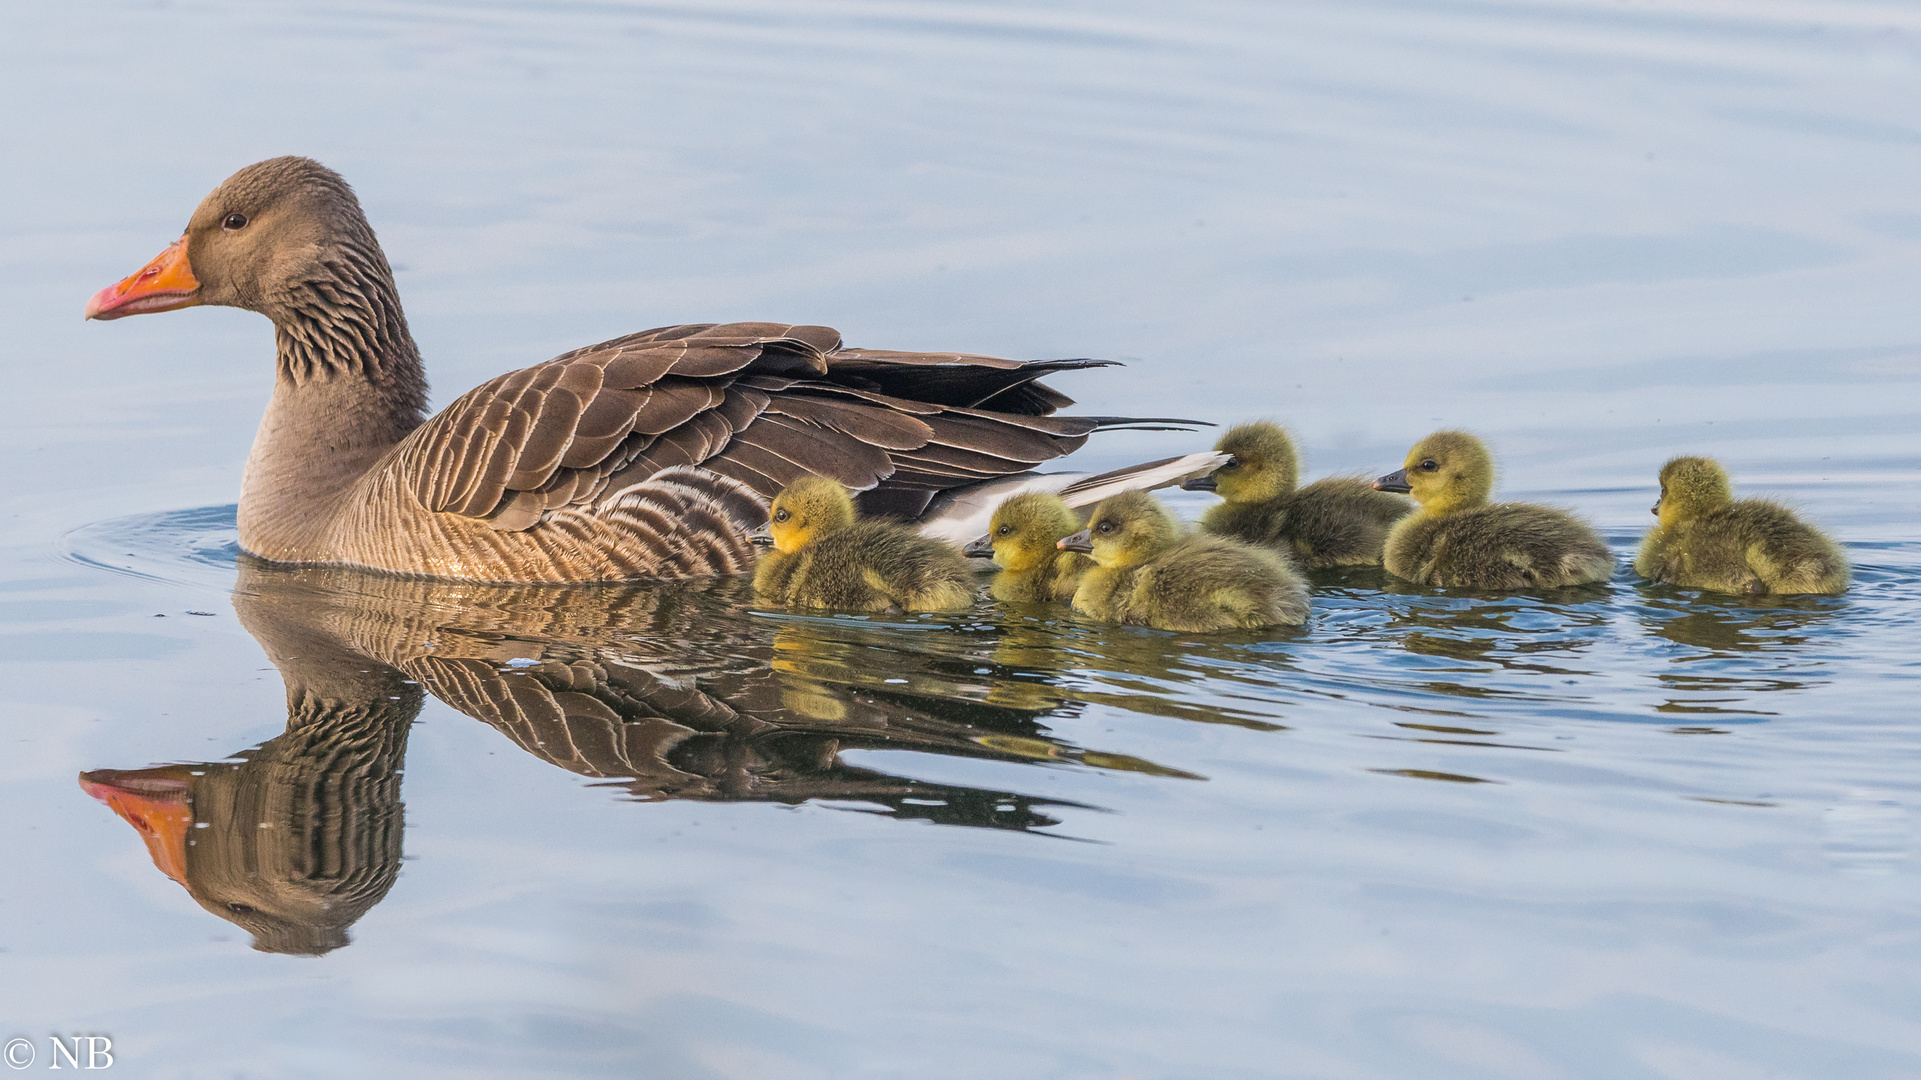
(1105, 526)
(1429, 465)
(781, 515)
(1003, 530)
(1231, 463)
(239, 908)
(234, 222)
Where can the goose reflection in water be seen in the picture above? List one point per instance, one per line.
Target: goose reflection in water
(669, 692)
(296, 838)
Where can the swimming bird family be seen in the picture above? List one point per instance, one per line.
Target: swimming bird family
(655, 454)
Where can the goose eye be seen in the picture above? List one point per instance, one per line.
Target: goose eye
(239, 908)
(1429, 465)
(234, 221)
(781, 515)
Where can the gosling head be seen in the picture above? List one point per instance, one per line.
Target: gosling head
(1026, 530)
(1264, 465)
(1690, 487)
(810, 508)
(1126, 530)
(1448, 470)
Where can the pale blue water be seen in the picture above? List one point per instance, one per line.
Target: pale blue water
(1621, 832)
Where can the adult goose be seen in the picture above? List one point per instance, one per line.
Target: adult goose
(651, 455)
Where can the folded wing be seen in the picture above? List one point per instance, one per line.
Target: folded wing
(762, 403)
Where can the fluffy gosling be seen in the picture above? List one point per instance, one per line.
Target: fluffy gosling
(824, 557)
(1149, 573)
(1707, 540)
(1335, 521)
(1457, 539)
(1024, 539)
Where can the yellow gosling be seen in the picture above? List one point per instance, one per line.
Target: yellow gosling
(1705, 539)
(1149, 572)
(1336, 521)
(824, 557)
(1024, 539)
(1457, 539)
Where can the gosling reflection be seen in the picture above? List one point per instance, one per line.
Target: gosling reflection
(1739, 649)
(1042, 658)
(671, 692)
(1737, 625)
(1521, 634)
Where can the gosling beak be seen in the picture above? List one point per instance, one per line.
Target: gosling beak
(1394, 481)
(1655, 509)
(981, 548)
(761, 537)
(164, 284)
(1082, 542)
(1199, 483)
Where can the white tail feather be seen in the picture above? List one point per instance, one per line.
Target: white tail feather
(963, 514)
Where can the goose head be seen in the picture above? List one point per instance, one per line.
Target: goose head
(1448, 470)
(267, 239)
(1026, 530)
(810, 508)
(1690, 487)
(1263, 467)
(1126, 530)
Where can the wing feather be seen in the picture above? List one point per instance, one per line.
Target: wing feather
(761, 403)
(610, 413)
(689, 444)
(794, 450)
(742, 406)
(674, 402)
(875, 427)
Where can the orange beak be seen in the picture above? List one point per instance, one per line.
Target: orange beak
(159, 806)
(162, 285)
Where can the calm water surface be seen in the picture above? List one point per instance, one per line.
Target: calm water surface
(382, 828)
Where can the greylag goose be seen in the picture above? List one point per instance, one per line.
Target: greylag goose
(1334, 521)
(825, 556)
(651, 455)
(1024, 540)
(1708, 540)
(1458, 539)
(1149, 571)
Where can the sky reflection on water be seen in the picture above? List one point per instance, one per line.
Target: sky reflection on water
(1626, 831)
